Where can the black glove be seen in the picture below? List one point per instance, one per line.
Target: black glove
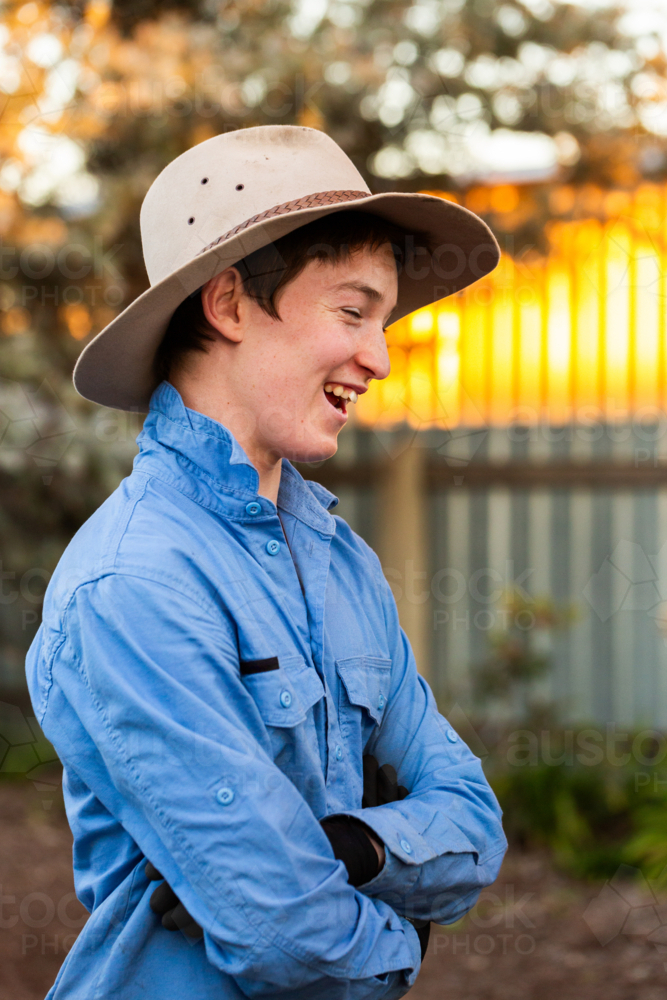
(423, 928)
(167, 905)
(380, 787)
(349, 836)
(351, 844)
(349, 840)
(380, 784)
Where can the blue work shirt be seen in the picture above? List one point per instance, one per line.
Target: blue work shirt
(211, 668)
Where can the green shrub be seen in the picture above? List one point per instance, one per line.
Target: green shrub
(592, 818)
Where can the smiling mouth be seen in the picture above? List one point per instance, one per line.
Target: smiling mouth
(337, 402)
(339, 396)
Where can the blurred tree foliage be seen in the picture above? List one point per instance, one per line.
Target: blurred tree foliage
(96, 97)
(519, 656)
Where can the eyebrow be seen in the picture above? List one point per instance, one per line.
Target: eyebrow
(358, 286)
(367, 290)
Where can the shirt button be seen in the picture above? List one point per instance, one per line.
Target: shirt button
(273, 547)
(381, 701)
(285, 699)
(253, 508)
(407, 847)
(339, 752)
(224, 795)
(451, 736)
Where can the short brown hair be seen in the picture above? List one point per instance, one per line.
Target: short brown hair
(265, 272)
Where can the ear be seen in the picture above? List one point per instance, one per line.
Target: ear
(221, 297)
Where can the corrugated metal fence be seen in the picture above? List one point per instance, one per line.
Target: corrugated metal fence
(582, 520)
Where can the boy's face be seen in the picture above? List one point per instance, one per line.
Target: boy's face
(272, 375)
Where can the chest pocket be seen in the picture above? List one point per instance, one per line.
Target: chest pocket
(363, 696)
(283, 697)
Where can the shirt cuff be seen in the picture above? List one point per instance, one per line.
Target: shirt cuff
(392, 873)
(397, 834)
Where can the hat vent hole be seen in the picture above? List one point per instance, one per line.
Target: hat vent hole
(204, 180)
(239, 187)
(191, 220)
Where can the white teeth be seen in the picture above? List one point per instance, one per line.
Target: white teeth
(341, 390)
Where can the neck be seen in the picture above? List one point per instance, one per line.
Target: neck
(265, 461)
(268, 468)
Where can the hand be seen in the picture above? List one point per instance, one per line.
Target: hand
(380, 784)
(379, 849)
(423, 928)
(349, 836)
(381, 787)
(167, 905)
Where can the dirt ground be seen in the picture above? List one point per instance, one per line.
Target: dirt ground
(535, 935)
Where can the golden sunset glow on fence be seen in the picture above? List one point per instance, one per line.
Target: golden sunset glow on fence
(576, 334)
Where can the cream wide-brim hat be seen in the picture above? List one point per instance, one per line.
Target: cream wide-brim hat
(240, 191)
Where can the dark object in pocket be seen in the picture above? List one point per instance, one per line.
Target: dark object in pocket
(258, 666)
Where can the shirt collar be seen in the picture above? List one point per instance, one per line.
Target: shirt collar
(200, 444)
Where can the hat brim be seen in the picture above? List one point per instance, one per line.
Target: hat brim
(116, 368)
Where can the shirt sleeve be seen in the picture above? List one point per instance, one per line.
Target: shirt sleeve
(153, 676)
(444, 842)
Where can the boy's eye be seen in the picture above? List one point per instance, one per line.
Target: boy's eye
(353, 312)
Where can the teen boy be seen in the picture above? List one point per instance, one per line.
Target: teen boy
(220, 665)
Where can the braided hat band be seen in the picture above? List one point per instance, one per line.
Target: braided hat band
(308, 201)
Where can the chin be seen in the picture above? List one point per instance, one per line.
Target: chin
(312, 451)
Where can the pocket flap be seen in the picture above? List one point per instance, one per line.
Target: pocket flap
(366, 680)
(283, 696)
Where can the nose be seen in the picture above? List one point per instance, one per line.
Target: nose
(372, 353)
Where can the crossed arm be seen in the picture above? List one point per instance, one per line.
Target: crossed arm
(141, 664)
(352, 842)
